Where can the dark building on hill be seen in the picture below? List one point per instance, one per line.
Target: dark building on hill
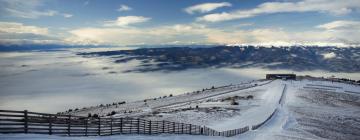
(281, 76)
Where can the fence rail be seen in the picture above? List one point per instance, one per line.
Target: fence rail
(67, 125)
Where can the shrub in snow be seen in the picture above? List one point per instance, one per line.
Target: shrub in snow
(89, 115)
(170, 95)
(155, 112)
(250, 97)
(113, 112)
(233, 102)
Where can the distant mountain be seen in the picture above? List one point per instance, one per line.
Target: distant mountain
(297, 58)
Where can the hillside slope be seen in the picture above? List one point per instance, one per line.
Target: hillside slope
(306, 109)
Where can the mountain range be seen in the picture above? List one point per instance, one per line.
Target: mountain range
(298, 58)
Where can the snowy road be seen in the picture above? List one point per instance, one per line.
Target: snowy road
(269, 102)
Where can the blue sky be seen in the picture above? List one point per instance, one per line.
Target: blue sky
(133, 22)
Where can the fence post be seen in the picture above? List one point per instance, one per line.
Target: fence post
(163, 126)
(174, 127)
(201, 131)
(26, 119)
(145, 121)
(131, 123)
(121, 124)
(69, 124)
(50, 125)
(190, 130)
(86, 126)
(138, 126)
(99, 126)
(111, 125)
(150, 127)
(182, 128)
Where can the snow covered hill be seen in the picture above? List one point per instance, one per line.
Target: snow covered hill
(304, 109)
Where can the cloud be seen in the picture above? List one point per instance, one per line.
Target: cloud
(134, 36)
(18, 33)
(334, 7)
(68, 15)
(341, 25)
(26, 9)
(201, 34)
(206, 7)
(124, 8)
(127, 20)
(19, 28)
(339, 33)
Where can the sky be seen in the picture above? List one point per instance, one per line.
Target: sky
(179, 22)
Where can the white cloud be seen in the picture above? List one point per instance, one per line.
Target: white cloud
(19, 28)
(26, 9)
(68, 15)
(189, 33)
(18, 33)
(127, 20)
(325, 34)
(335, 7)
(341, 25)
(206, 7)
(124, 8)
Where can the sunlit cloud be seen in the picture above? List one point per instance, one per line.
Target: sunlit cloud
(334, 7)
(190, 33)
(206, 7)
(68, 15)
(124, 8)
(127, 20)
(27, 9)
(19, 28)
(341, 25)
(19, 33)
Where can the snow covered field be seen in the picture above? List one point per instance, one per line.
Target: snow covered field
(304, 113)
(57, 81)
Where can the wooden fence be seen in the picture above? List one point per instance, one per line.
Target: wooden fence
(67, 125)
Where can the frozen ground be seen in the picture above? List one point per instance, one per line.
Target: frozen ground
(323, 111)
(310, 109)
